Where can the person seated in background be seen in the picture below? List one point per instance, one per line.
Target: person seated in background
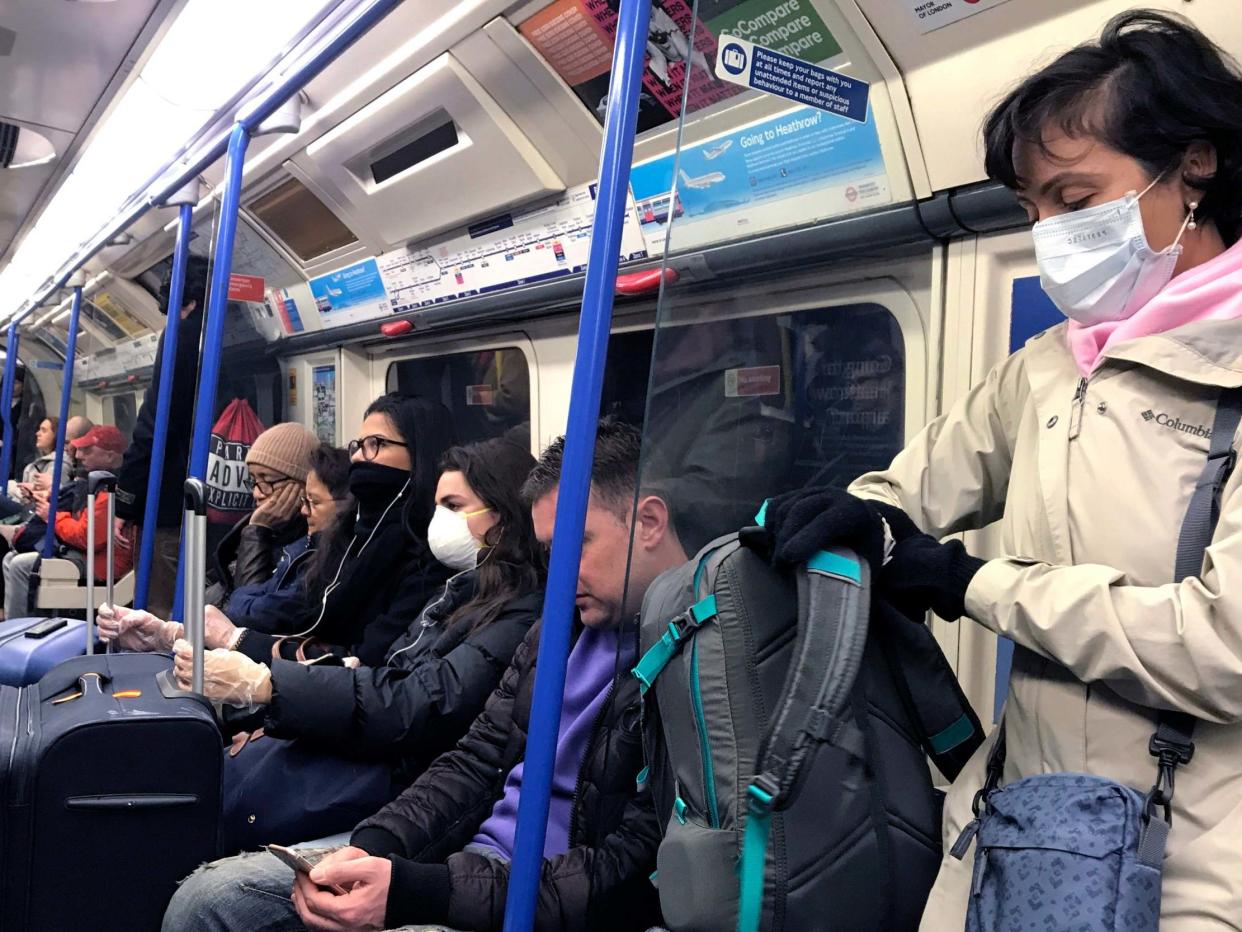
(399, 716)
(45, 447)
(440, 852)
(275, 603)
(374, 570)
(281, 601)
(277, 463)
(100, 448)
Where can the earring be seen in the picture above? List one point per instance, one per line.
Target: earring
(1192, 224)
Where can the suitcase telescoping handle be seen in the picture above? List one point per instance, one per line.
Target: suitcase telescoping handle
(195, 574)
(95, 481)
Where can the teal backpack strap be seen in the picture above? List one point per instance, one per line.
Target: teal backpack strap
(833, 602)
(684, 626)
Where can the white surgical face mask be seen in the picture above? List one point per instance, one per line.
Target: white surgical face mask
(450, 539)
(1096, 264)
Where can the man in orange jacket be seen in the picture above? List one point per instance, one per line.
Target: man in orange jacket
(102, 447)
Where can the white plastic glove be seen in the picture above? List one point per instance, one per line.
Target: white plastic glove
(135, 630)
(219, 630)
(228, 676)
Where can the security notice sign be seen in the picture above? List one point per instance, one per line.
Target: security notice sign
(930, 15)
(742, 62)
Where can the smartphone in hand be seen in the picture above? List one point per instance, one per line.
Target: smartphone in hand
(300, 864)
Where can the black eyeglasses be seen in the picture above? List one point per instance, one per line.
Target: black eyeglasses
(371, 446)
(311, 503)
(266, 486)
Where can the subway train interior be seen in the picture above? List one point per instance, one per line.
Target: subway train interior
(475, 203)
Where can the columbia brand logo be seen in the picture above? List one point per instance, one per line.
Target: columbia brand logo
(1177, 424)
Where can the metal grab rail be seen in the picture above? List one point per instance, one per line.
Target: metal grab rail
(163, 406)
(6, 403)
(66, 389)
(575, 485)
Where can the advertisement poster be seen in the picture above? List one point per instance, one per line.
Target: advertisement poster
(354, 293)
(502, 252)
(576, 37)
(323, 402)
(801, 166)
(286, 308)
(771, 72)
(930, 15)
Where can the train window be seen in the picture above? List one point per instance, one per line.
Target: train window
(300, 220)
(124, 413)
(626, 371)
(745, 408)
(487, 391)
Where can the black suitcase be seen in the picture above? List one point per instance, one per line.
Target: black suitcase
(111, 791)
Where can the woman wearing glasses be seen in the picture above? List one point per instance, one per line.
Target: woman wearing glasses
(375, 571)
(277, 463)
(280, 603)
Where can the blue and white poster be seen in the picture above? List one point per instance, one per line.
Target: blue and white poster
(762, 69)
(804, 165)
(351, 294)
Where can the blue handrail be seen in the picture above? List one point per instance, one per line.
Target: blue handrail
(163, 405)
(66, 389)
(213, 320)
(575, 484)
(6, 403)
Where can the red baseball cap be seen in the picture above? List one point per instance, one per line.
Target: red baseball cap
(101, 435)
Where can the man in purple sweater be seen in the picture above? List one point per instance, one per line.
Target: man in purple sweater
(438, 856)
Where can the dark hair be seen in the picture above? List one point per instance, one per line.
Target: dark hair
(197, 277)
(1150, 87)
(331, 465)
(427, 428)
(614, 473)
(515, 562)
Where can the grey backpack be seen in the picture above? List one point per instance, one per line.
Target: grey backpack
(787, 749)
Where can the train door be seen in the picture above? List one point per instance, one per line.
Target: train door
(484, 381)
(994, 306)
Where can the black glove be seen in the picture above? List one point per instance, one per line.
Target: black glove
(805, 521)
(923, 573)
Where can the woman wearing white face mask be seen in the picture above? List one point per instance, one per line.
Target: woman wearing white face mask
(1088, 445)
(436, 677)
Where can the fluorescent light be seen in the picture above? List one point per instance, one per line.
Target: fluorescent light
(202, 62)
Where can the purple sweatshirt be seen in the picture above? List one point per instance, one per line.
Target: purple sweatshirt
(588, 677)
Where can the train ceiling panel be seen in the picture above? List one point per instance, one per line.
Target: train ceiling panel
(57, 75)
(434, 152)
(957, 61)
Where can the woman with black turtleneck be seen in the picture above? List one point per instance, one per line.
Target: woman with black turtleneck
(376, 572)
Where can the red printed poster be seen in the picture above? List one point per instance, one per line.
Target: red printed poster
(576, 37)
(752, 381)
(246, 288)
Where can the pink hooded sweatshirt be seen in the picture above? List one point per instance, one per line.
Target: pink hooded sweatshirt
(1211, 291)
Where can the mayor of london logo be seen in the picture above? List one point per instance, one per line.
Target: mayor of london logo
(1176, 423)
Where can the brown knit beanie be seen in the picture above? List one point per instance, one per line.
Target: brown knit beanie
(285, 448)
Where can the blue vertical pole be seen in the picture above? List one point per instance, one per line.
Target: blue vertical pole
(6, 404)
(163, 404)
(213, 323)
(66, 389)
(575, 485)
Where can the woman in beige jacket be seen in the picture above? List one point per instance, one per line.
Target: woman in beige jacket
(1086, 445)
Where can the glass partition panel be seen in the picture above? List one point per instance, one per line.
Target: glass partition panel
(487, 391)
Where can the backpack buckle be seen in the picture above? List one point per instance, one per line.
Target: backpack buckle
(763, 792)
(1170, 753)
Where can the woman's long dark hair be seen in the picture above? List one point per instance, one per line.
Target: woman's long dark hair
(426, 427)
(515, 562)
(331, 465)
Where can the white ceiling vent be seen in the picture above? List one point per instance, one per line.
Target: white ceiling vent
(434, 152)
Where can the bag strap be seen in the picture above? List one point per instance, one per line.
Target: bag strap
(833, 597)
(1173, 742)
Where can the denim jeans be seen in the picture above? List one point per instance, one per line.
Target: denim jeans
(246, 893)
(18, 568)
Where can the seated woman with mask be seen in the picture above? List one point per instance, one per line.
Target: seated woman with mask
(385, 571)
(435, 679)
